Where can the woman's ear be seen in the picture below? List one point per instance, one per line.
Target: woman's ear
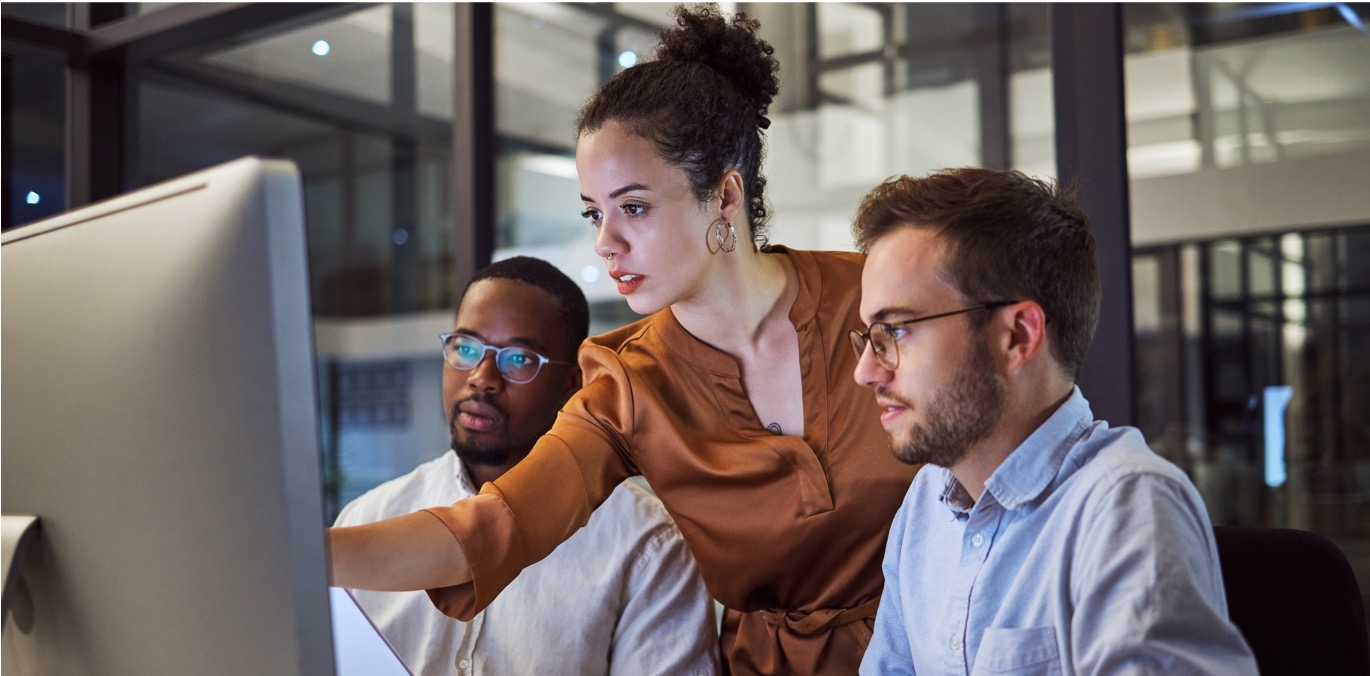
(732, 196)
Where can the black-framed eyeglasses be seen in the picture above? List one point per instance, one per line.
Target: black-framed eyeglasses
(884, 336)
(516, 364)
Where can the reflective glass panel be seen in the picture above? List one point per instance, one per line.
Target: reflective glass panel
(35, 99)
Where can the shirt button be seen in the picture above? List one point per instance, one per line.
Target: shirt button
(464, 665)
(955, 643)
(978, 539)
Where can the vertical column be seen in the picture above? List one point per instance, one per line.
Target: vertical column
(890, 41)
(1091, 153)
(473, 140)
(606, 45)
(98, 114)
(404, 194)
(992, 77)
(1176, 396)
(1209, 352)
(7, 143)
(811, 59)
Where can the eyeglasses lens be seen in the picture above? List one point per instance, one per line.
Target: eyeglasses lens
(464, 352)
(516, 364)
(882, 343)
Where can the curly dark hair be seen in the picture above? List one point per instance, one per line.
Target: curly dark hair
(1008, 236)
(574, 310)
(701, 101)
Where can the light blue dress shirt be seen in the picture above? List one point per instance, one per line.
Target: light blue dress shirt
(1087, 553)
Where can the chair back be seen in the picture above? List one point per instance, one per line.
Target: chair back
(1294, 597)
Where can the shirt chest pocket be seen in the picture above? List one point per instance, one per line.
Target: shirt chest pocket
(1018, 651)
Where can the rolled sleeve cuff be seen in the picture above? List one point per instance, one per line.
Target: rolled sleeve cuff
(485, 528)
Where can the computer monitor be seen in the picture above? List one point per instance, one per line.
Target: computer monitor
(159, 419)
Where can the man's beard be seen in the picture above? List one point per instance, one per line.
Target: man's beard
(471, 453)
(958, 416)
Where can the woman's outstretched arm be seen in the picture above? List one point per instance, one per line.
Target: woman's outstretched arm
(408, 553)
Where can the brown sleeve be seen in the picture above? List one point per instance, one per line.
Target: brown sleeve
(518, 519)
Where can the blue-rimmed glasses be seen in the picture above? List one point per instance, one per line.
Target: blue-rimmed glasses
(884, 336)
(517, 364)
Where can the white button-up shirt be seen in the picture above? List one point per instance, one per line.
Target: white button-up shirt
(1087, 553)
(621, 596)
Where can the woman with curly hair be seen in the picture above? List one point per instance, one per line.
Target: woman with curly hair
(733, 397)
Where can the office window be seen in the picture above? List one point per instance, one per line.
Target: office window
(895, 89)
(339, 97)
(49, 13)
(34, 140)
(1249, 137)
(356, 99)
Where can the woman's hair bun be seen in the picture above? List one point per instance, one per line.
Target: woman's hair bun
(730, 47)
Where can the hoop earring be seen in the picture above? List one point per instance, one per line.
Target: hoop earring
(725, 244)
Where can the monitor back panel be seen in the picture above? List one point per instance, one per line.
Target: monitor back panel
(159, 418)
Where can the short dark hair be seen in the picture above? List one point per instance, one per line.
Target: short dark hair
(1009, 236)
(701, 101)
(575, 311)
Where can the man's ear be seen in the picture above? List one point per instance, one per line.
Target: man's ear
(1025, 334)
(573, 383)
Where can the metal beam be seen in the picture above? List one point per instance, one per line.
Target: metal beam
(923, 47)
(188, 25)
(316, 104)
(616, 19)
(1091, 154)
(473, 141)
(28, 40)
(172, 29)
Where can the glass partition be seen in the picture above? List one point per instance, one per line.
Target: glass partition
(362, 102)
(34, 140)
(1249, 139)
(866, 91)
(47, 13)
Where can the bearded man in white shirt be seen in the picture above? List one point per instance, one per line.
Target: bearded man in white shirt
(623, 595)
(1036, 539)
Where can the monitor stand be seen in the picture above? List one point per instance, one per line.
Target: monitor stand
(18, 532)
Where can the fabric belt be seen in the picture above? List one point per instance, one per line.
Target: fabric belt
(808, 623)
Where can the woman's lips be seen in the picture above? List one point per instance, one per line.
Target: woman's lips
(628, 282)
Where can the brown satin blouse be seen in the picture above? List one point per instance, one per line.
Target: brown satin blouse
(788, 532)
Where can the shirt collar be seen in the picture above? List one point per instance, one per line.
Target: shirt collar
(702, 355)
(464, 479)
(954, 495)
(1031, 467)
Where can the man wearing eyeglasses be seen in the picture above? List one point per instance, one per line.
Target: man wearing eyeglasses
(1037, 539)
(622, 596)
